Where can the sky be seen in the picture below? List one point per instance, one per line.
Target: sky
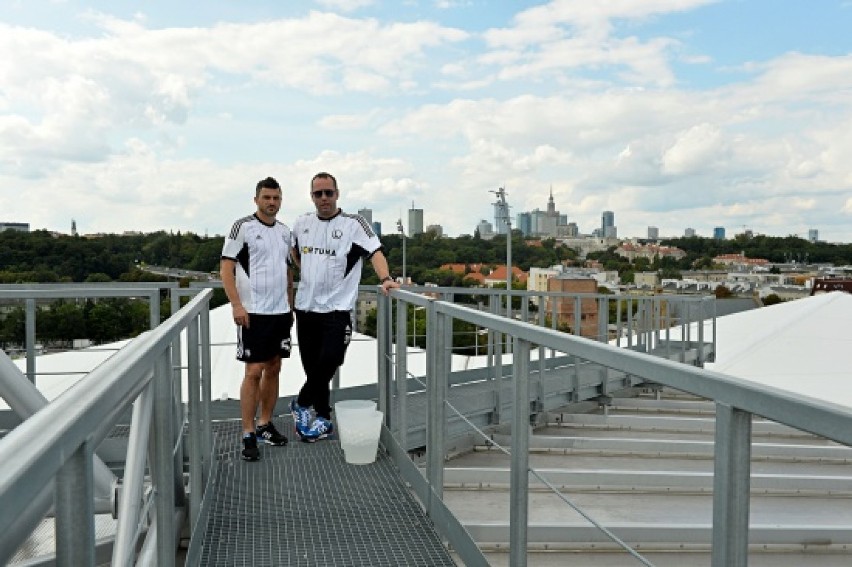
(146, 116)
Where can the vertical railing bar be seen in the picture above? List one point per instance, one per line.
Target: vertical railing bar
(206, 395)
(401, 374)
(130, 500)
(519, 480)
(618, 330)
(30, 338)
(731, 488)
(578, 322)
(498, 366)
(75, 513)
(154, 308)
(193, 381)
(162, 463)
(382, 342)
(668, 328)
(542, 360)
(436, 410)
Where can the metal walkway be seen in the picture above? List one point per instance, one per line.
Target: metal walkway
(303, 505)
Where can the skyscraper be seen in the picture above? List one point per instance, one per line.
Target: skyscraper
(485, 229)
(719, 233)
(608, 229)
(813, 235)
(367, 214)
(689, 232)
(653, 233)
(523, 222)
(415, 221)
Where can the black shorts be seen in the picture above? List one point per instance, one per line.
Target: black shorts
(266, 337)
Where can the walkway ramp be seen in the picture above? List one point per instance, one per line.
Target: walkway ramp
(303, 505)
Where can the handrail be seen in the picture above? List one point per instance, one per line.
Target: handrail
(77, 421)
(736, 402)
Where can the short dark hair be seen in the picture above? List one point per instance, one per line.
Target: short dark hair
(268, 183)
(324, 175)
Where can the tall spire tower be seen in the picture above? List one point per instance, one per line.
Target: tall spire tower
(551, 206)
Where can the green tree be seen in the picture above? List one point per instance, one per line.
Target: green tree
(772, 299)
(722, 292)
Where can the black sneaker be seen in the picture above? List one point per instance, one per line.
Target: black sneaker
(250, 450)
(268, 434)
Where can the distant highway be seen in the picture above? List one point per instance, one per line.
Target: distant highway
(178, 273)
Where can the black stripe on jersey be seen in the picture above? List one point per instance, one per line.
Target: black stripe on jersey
(236, 228)
(379, 249)
(352, 257)
(363, 222)
(295, 246)
(243, 258)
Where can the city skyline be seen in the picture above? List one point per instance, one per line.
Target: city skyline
(674, 114)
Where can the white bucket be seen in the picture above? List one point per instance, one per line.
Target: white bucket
(351, 411)
(359, 431)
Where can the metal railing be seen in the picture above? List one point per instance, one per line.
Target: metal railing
(147, 373)
(736, 401)
(59, 442)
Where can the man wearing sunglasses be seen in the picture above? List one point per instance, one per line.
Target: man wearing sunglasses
(329, 246)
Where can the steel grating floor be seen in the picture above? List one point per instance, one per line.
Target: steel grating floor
(303, 505)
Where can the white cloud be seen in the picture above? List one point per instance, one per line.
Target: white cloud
(699, 148)
(139, 116)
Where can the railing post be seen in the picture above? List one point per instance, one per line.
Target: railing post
(206, 395)
(30, 338)
(732, 471)
(519, 479)
(496, 339)
(701, 333)
(193, 381)
(75, 514)
(401, 374)
(629, 303)
(383, 341)
(436, 382)
(163, 461)
(578, 320)
(542, 362)
(130, 499)
(154, 308)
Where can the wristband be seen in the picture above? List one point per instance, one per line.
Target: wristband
(386, 279)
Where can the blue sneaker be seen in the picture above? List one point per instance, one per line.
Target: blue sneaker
(321, 428)
(301, 418)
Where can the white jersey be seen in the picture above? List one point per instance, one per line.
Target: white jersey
(331, 252)
(261, 252)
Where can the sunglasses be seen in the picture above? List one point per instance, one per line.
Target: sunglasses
(327, 192)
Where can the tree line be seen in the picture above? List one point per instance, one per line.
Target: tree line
(41, 256)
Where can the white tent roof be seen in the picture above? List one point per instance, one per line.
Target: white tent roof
(804, 346)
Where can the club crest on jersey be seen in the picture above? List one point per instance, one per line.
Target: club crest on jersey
(313, 250)
(337, 234)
